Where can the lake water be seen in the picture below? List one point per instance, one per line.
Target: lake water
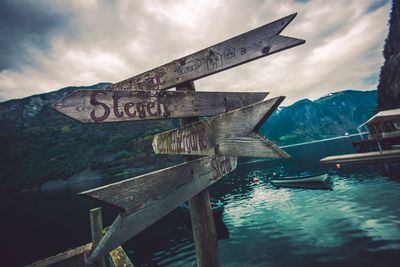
(355, 223)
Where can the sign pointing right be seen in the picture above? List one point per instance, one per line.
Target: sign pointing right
(230, 134)
(260, 42)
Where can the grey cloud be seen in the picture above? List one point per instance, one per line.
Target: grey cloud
(376, 4)
(27, 25)
(114, 40)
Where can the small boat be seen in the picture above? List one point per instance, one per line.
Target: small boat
(314, 178)
(217, 208)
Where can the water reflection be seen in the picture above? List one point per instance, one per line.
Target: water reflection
(220, 227)
(354, 217)
(355, 224)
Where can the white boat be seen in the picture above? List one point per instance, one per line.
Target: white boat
(300, 179)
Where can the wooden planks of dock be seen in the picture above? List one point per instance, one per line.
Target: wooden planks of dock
(76, 258)
(384, 156)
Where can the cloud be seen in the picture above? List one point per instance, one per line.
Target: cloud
(85, 42)
(26, 26)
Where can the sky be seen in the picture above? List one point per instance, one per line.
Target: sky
(46, 45)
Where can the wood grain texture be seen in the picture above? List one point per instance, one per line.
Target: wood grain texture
(70, 258)
(204, 232)
(76, 258)
(99, 106)
(118, 258)
(254, 44)
(96, 229)
(147, 198)
(230, 134)
(96, 225)
(202, 220)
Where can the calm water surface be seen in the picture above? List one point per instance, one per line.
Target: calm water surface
(355, 223)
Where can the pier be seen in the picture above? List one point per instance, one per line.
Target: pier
(384, 156)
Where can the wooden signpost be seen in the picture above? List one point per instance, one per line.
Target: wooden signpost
(98, 106)
(231, 133)
(219, 140)
(147, 198)
(254, 44)
(201, 217)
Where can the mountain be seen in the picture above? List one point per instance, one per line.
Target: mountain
(389, 80)
(41, 147)
(18, 114)
(329, 116)
(39, 144)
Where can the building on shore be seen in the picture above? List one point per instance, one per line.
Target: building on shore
(384, 132)
(382, 144)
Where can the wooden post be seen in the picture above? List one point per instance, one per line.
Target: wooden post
(204, 232)
(96, 228)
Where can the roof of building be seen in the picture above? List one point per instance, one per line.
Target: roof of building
(382, 116)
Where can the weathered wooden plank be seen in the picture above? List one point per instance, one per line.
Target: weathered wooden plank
(254, 44)
(203, 226)
(204, 232)
(384, 156)
(119, 258)
(96, 230)
(98, 106)
(226, 134)
(134, 194)
(71, 258)
(245, 146)
(76, 258)
(147, 198)
(96, 225)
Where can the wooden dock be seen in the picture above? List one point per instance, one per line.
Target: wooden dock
(72, 257)
(384, 156)
(76, 258)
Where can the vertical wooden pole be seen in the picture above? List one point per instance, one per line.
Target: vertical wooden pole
(204, 233)
(96, 228)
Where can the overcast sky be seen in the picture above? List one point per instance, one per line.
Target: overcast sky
(46, 45)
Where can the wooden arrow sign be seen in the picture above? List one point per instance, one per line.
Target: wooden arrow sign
(257, 43)
(230, 134)
(97, 106)
(147, 198)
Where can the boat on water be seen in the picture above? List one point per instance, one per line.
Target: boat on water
(300, 179)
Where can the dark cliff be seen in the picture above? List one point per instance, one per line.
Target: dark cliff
(389, 81)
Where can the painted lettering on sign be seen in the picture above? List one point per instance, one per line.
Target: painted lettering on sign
(103, 109)
(229, 52)
(150, 83)
(146, 83)
(189, 66)
(183, 141)
(214, 60)
(84, 108)
(221, 165)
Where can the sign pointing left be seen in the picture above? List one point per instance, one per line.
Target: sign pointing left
(147, 198)
(98, 106)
